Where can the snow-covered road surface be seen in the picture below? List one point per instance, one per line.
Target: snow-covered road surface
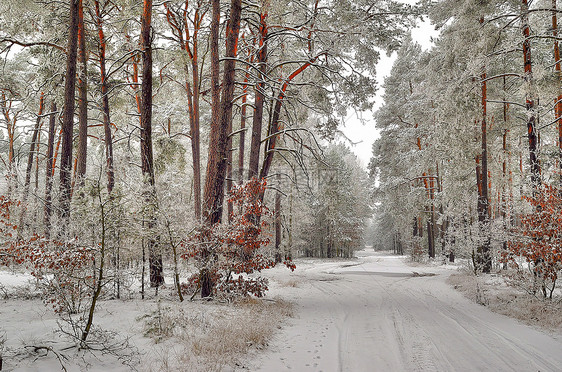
(383, 315)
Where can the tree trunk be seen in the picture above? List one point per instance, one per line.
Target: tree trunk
(222, 121)
(216, 165)
(81, 155)
(68, 117)
(530, 99)
(558, 99)
(37, 153)
(278, 220)
(32, 151)
(33, 148)
(194, 131)
(274, 127)
(192, 88)
(242, 143)
(49, 170)
(257, 120)
(108, 140)
(230, 207)
(147, 162)
(505, 183)
(484, 259)
(10, 127)
(431, 220)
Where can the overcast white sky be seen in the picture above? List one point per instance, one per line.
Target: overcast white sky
(365, 135)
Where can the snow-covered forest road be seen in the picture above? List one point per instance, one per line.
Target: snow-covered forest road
(383, 315)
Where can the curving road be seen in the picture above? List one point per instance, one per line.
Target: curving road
(378, 315)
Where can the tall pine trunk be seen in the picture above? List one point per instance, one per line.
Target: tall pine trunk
(108, 140)
(68, 117)
(218, 146)
(257, 120)
(194, 132)
(147, 162)
(483, 258)
(179, 25)
(82, 150)
(530, 99)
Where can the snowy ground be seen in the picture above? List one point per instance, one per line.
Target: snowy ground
(379, 314)
(156, 334)
(372, 313)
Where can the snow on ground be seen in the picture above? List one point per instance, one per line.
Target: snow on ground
(376, 313)
(156, 334)
(371, 313)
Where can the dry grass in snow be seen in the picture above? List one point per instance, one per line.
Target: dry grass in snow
(219, 339)
(156, 334)
(505, 297)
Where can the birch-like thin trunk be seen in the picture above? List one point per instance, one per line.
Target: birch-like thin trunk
(49, 170)
(278, 220)
(30, 156)
(32, 151)
(242, 143)
(10, 127)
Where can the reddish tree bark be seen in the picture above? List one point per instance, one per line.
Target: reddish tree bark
(275, 128)
(218, 147)
(194, 94)
(184, 37)
(428, 181)
(108, 140)
(257, 120)
(484, 259)
(222, 121)
(229, 205)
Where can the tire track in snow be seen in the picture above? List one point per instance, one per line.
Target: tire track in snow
(376, 319)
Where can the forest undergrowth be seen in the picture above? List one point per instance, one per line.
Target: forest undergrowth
(506, 294)
(220, 339)
(158, 333)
